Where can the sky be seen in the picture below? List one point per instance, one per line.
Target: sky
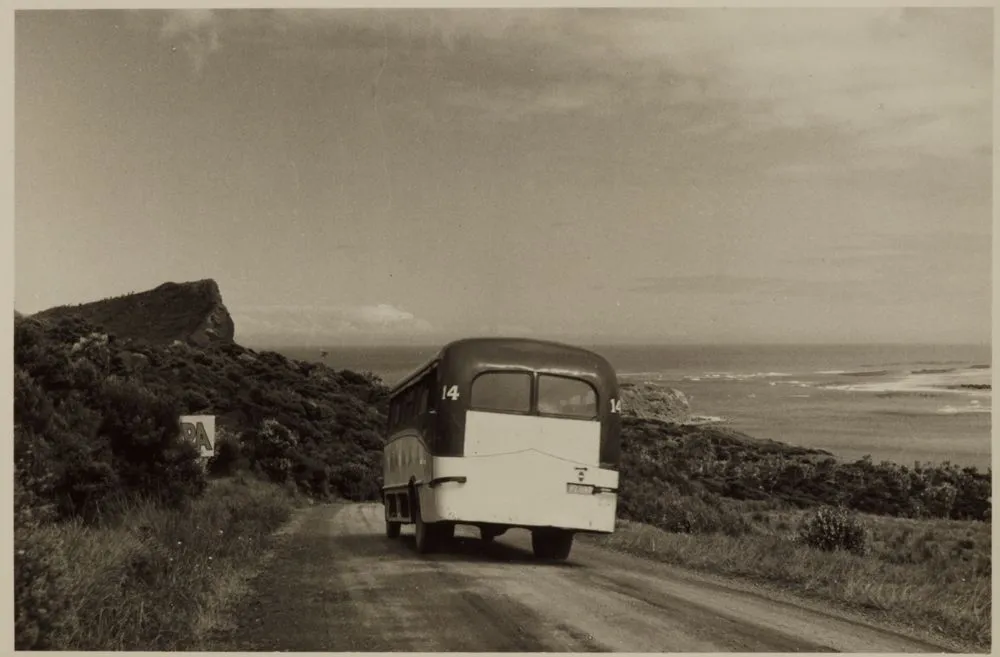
(642, 175)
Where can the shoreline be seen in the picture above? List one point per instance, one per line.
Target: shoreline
(887, 410)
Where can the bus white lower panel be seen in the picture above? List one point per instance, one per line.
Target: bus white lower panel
(526, 488)
(488, 434)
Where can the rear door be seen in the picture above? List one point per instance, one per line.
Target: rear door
(517, 411)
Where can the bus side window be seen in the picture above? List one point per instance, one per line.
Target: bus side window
(430, 386)
(408, 405)
(423, 399)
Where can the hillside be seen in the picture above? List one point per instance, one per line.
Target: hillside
(96, 411)
(322, 428)
(96, 443)
(666, 467)
(191, 312)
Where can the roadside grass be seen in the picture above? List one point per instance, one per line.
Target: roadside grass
(150, 579)
(959, 548)
(934, 574)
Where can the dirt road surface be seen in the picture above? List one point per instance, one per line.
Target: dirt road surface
(338, 584)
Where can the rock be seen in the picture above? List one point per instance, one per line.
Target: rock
(217, 324)
(655, 402)
(191, 313)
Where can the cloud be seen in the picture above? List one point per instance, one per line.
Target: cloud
(197, 31)
(896, 78)
(894, 81)
(386, 316)
(327, 321)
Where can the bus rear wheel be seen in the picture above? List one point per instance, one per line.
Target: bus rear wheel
(423, 535)
(428, 535)
(487, 534)
(392, 529)
(431, 535)
(554, 544)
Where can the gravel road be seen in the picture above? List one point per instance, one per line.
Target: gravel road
(337, 583)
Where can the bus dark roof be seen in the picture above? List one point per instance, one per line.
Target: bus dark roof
(528, 352)
(524, 350)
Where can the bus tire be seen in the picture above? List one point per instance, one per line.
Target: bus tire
(392, 529)
(552, 544)
(488, 534)
(424, 533)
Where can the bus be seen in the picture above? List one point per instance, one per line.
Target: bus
(501, 433)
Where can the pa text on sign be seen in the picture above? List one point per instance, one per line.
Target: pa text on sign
(200, 430)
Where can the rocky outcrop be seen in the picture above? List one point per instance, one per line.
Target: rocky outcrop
(190, 312)
(217, 324)
(650, 401)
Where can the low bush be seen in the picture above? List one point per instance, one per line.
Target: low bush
(836, 529)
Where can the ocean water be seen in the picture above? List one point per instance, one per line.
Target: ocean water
(902, 403)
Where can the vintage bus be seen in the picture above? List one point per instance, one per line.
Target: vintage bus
(499, 433)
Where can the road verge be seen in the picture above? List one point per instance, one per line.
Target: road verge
(925, 598)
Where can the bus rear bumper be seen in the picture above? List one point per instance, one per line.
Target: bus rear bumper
(526, 489)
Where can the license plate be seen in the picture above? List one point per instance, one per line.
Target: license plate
(580, 489)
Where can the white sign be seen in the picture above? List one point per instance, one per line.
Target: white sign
(200, 430)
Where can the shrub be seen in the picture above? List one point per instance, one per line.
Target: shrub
(32, 407)
(835, 528)
(193, 401)
(271, 449)
(33, 479)
(228, 458)
(357, 479)
(85, 437)
(664, 506)
(40, 583)
(149, 455)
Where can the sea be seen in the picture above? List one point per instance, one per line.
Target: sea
(903, 403)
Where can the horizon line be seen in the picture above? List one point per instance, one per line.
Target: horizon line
(637, 342)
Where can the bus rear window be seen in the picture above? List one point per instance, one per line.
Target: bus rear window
(502, 391)
(560, 395)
